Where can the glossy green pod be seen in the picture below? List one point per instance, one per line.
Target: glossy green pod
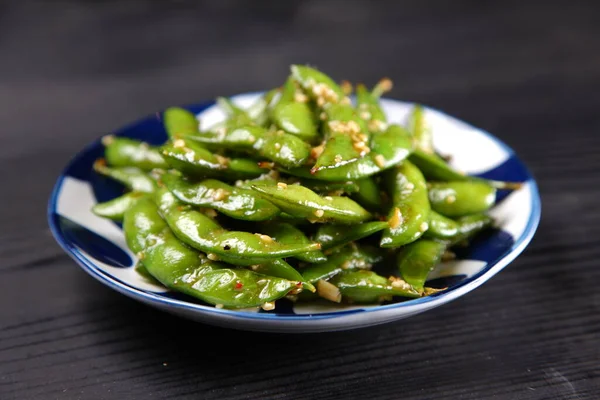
(471, 225)
(369, 109)
(420, 131)
(368, 194)
(180, 122)
(125, 152)
(281, 269)
(232, 201)
(115, 209)
(194, 160)
(327, 187)
(388, 149)
(434, 168)
(234, 247)
(457, 199)
(293, 114)
(303, 202)
(408, 218)
(367, 287)
(417, 259)
(183, 269)
(318, 86)
(286, 233)
(282, 148)
(441, 227)
(346, 138)
(331, 236)
(348, 258)
(131, 177)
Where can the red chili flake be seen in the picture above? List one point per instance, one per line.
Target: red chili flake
(298, 284)
(239, 285)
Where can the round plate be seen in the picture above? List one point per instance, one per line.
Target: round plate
(99, 247)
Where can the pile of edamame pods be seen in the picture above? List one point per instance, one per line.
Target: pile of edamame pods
(303, 195)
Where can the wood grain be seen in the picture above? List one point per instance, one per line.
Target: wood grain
(529, 72)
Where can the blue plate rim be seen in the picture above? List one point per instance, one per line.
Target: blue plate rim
(470, 283)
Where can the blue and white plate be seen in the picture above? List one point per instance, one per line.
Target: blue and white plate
(99, 247)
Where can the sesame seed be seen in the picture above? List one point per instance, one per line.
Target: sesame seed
(410, 186)
(346, 264)
(108, 139)
(277, 146)
(209, 212)
(396, 218)
(424, 226)
(380, 160)
(399, 283)
(377, 125)
(282, 185)
(255, 267)
(323, 116)
(320, 101)
(212, 257)
(261, 281)
(141, 255)
(319, 213)
(448, 256)
(365, 115)
(338, 158)
(360, 145)
(328, 198)
(219, 194)
(218, 305)
(300, 97)
(353, 126)
(315, 152)
(266, 238)
(346, 87)
(346, 101)
(222, 160)
(450, 199)
(251, 139)
(179, 143)
(268, 306)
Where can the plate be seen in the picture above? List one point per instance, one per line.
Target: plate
(99, 247)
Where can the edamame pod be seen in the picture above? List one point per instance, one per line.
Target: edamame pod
(202, 233)
(408, 219)
(417, 259)
(286, 233)
(302, 202)
(331, 236)
(115, 209)
(457, 199)
(125, 152)
(193, 159)
(367, 287)
(131, 177)
(232, 201)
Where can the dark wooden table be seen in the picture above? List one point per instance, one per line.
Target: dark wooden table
(527, 71)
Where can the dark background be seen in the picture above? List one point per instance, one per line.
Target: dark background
(529, 72)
